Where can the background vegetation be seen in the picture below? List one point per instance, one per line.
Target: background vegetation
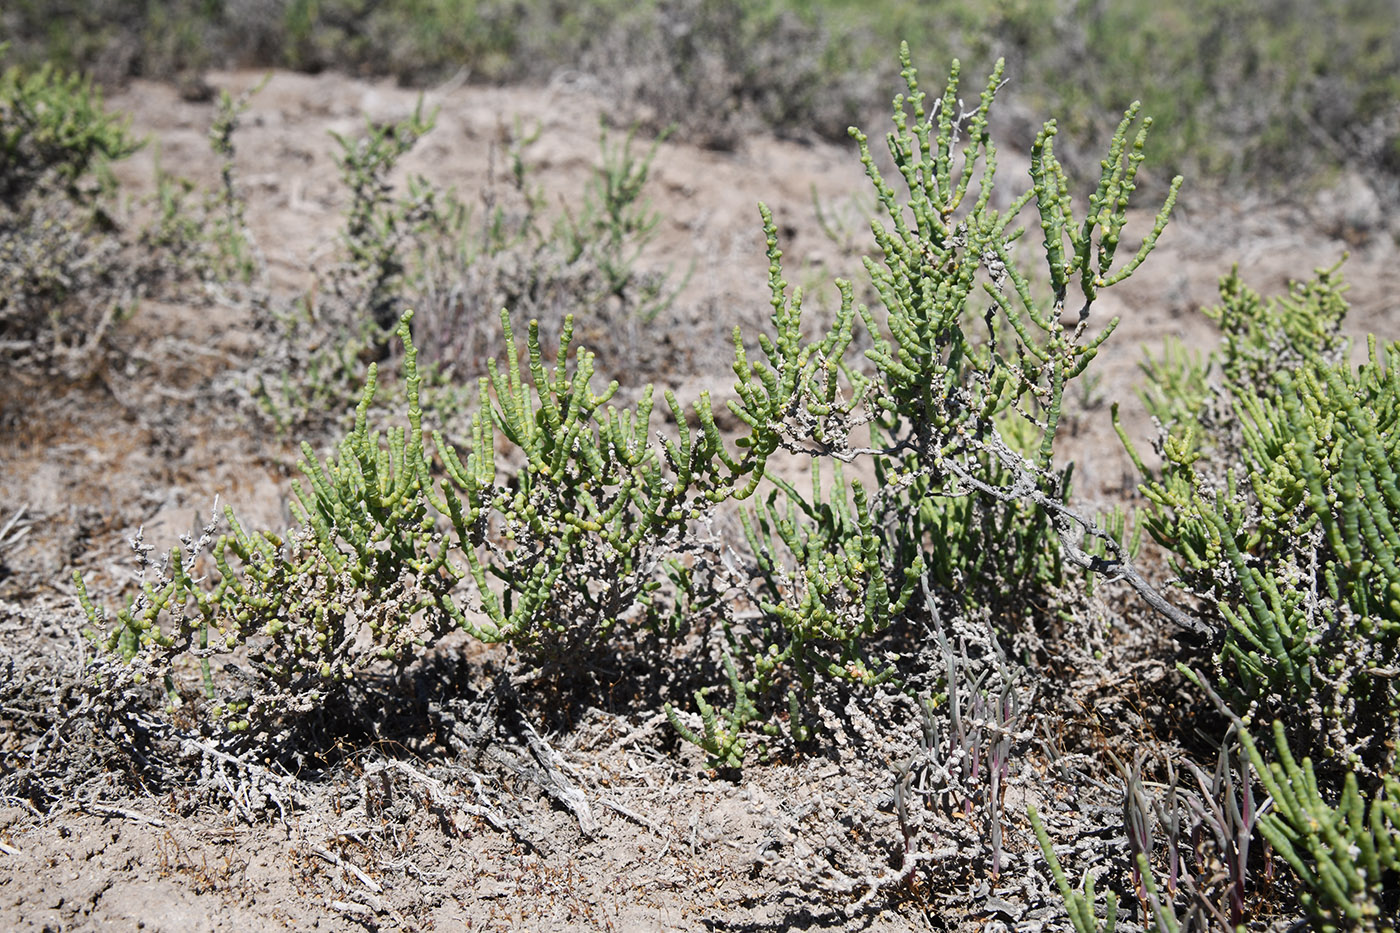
(1251, 95)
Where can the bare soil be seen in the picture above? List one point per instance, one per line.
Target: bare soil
(418, 831)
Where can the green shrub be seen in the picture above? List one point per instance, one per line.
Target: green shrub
(559, 553)
(1347, 853)
(54, 131)
(1277, 497)
(207, 236)
(1341, 836)
(957, 430)
(1278, 501)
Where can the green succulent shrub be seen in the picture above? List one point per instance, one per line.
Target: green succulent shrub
(401, 539)
(1346, 852)
(1340, 833)
(953, 412)
(1341, 839)
(1277, 498)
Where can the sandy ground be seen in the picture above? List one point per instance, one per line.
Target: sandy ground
(397, 842)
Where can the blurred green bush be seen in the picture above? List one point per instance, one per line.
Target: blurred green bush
(1244, 94)
(60, 283)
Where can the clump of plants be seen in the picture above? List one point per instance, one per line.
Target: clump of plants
(56, 134)
(1344, 846)
(930, 544)
(1277, 498)
(583, 534)
(204, 233)
(586, 262)
(60, 285)
(420, 245)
